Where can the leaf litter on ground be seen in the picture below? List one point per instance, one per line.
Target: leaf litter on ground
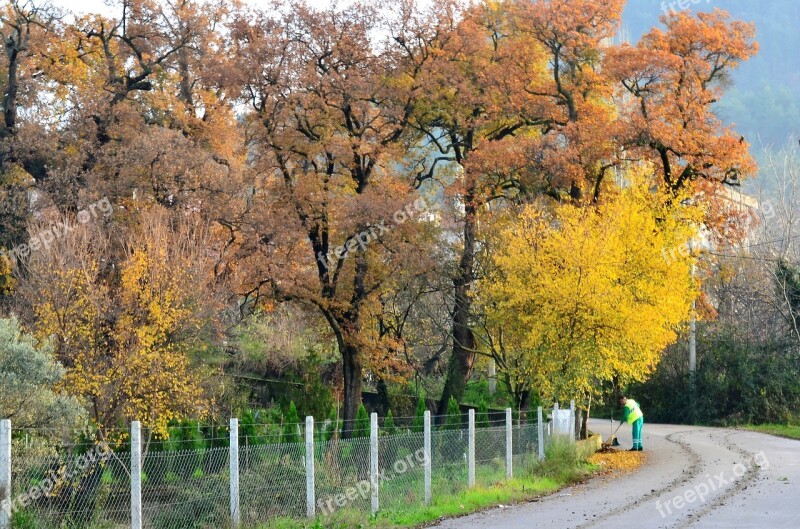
(611, 460)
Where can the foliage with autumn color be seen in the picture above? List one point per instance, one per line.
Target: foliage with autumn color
(583, 296)
(256, 157)
(125, 341)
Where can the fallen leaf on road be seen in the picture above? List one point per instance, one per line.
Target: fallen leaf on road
(617, 460)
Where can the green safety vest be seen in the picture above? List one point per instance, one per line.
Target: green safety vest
(632, 411)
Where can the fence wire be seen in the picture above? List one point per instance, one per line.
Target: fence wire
(83, 487)
(449, 472)
(272, 482)
(342, 473)
(525, 446)
(490, 455)
(185, 489)
(402, 471)
(88, 486)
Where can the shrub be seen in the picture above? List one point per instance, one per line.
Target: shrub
(560, 460)
(482, 417)
(453, 420)
(333, 424)
(737, 381)
(291, 428)
(388, 424)
(361, 428)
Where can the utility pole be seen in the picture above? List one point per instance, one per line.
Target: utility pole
(692, 324)
(692, 343)
(692, 327)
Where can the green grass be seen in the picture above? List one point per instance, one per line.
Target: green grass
(561, 467)
(472, 500)
(781, 430)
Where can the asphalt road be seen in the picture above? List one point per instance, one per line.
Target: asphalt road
(694, 477)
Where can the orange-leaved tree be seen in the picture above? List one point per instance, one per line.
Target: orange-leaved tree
(670, 83)
(517, 105)
(594, 108)
(330, 217)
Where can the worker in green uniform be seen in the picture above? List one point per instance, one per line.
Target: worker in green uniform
(632, 414)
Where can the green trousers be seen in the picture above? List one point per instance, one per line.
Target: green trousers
(637, 432)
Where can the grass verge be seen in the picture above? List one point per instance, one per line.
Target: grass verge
(562, 466)
(781, 430)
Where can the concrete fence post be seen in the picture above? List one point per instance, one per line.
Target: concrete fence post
(555, 414)
(233, 464)
(5, 474)
(428, 457)
(373, 462)
(540, 433)
(136, 475)
(556, 409)
(311, 499)
(572, 420)
(509, 445)
(471, 448)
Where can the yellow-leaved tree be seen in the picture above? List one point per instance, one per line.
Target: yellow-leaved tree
(125, 328)
(584, 295)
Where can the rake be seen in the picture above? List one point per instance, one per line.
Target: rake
(612, 441)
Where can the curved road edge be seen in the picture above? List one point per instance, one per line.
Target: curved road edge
(694, 477)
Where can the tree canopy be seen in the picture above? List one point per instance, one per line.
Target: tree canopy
(352, 162)
(582, 296)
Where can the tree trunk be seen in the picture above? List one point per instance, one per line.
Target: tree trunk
(352, 371)
(585, 422)
(524, 402)
(11, 89)
(460, 363)
(346, 327)
(384, 404)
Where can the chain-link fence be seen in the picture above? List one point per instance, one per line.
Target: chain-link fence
(70, 487)
(185, 488)
(272, 482)
(89, 485)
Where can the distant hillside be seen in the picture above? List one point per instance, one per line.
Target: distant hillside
(764, 102)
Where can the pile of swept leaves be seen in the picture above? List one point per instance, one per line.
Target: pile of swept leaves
(611, 460)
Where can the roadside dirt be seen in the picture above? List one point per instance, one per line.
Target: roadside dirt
(687, 477)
